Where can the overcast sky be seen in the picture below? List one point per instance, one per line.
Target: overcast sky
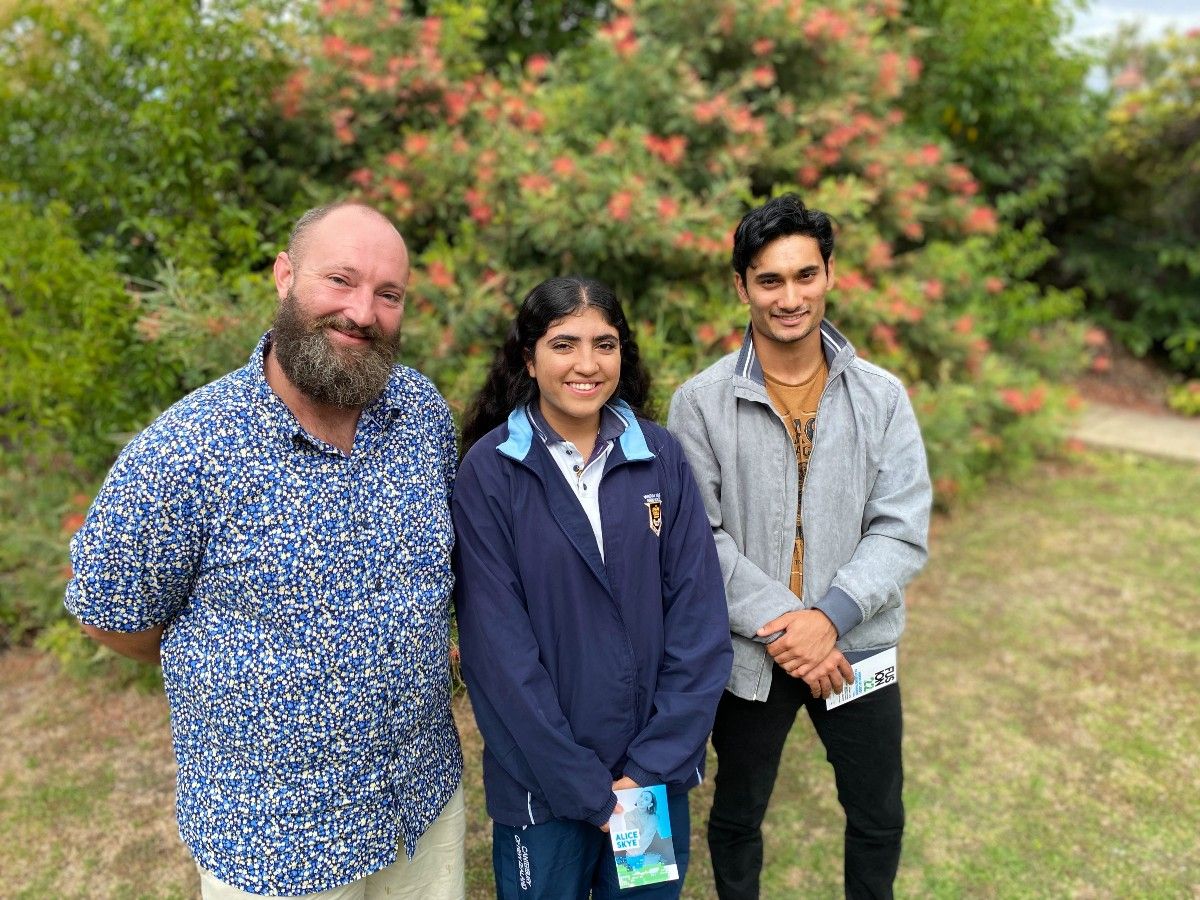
(1103, 16)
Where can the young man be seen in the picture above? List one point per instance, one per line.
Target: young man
(280, 539)
(813, 474)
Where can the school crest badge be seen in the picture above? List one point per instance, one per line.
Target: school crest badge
(653, 503)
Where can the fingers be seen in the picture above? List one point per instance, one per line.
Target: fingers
(845, 668)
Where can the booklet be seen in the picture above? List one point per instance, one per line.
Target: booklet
(870, 674)
(641, 837)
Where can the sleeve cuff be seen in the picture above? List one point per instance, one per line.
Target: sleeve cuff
(640, 775)
(605, 813)
(841, 609)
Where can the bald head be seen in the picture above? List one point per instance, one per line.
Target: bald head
(302, 230)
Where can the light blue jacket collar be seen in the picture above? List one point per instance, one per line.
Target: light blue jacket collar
(520, 434)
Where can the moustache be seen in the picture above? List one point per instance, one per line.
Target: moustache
(340, 323)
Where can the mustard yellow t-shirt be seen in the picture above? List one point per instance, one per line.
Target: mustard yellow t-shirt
(797, 405)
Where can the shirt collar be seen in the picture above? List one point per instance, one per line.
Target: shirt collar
(612, 426)
(833, 342)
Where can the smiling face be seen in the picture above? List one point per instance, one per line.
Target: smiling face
(577, 367)
(341, 301)
(785, 288)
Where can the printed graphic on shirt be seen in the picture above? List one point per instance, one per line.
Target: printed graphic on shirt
(653, 503)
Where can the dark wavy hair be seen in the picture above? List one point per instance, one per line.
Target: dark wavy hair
(509, 384)
(782, 217)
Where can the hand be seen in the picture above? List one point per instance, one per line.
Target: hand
(807, 638)
(829, 676)
(621, 784)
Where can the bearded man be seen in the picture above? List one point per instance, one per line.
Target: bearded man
(280, 541)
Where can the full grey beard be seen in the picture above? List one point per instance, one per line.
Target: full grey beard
(348, 377)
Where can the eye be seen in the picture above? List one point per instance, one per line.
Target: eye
(561, 346)
(393, 298)
(607, 346)
(338, 280)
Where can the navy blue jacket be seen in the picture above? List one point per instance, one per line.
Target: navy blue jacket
(582, 669)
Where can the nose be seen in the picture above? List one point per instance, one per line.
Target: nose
(360, 307)
(586, 362)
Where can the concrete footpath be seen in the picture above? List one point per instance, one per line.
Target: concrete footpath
(1153, 434)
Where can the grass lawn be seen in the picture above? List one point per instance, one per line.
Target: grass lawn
(1052, 702)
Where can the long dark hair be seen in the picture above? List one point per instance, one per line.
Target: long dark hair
(508, 383)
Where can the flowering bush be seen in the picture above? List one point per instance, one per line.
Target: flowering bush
(631, 156)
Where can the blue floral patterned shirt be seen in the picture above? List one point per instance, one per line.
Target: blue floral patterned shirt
(306, 597)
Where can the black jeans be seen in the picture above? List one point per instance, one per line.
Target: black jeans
(862, 743)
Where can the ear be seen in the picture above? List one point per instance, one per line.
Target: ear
(284, 274)
(740, 286)
(529, 367)
(829, 278)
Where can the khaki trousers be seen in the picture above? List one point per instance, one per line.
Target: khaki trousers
(436, 871)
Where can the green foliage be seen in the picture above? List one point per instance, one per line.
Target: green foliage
(1001, 82)
(153, 122)
(1185, 398)
(71, 366)
(1133, 236)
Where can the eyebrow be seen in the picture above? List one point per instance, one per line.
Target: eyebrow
(576, 339)
(807, 270)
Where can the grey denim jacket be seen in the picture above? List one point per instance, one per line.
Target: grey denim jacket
(865, 509)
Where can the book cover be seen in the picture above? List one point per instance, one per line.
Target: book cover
(641, 837)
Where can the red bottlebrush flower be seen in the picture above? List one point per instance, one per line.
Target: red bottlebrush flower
(361, 177)
(1074, 402)
(397, 188)
(536, 183)
(457, 103)
(885, 337)
(982, 220)
(1101, 364)
(706, 111)
(431, 31)
(964, 324)
(1095, 337)
(933, 289)
(537, 65)
(72, 522)
(809, 175)
(706, 333)
(1014, 399)
(605, 147)
(993, 285)
(879, 256)
(563, 166)
(439, 276)
(762, 47)
(669, 149)
(913, 231)
(620, 205)
(875, 171)
(396, 160)
(887, 80)
(685, 240)
(358, 54)
(533, 120)
(416, 144)
(667, 208)
(931, 154)
(732, 341)
(332, 45)
(763, 76)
